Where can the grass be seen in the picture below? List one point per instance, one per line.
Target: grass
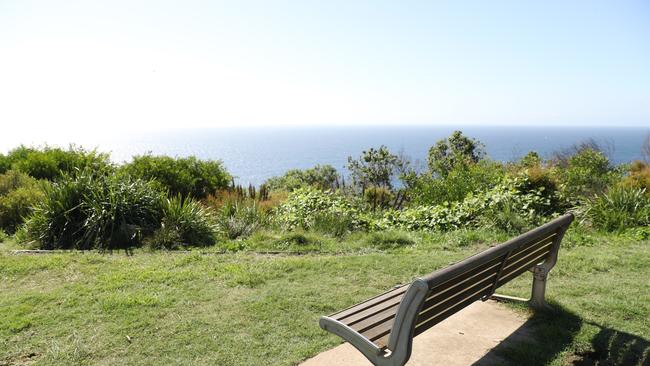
(243, 307)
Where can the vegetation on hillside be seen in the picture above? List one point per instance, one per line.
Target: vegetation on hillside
(74, 198)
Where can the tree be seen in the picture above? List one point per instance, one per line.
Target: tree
(456, 150)
(376, 167)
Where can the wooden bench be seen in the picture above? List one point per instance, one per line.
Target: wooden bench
(383, 327)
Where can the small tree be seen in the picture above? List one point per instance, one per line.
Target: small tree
(453, 151)
(376, 167)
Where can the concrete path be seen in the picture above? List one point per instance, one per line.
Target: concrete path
(463, 339)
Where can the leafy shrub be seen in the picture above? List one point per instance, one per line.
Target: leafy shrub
(588, 172)
(453, 152)
(508, 201)
(3, 236)
(376, 167)
(18, 194)
(304, 205)
(96, 211)
(460, 181)
(639, 176)
(321, 176)
(4, 164)
(378, 197)
(389, 239)
(185, 222)
(185, 176)
(51, 162)
(619, 208)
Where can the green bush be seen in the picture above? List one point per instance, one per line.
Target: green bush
(305, 205)
(185, 176)
(18, 194)
(4, 164)
(618, 209)
(588, 172)
(332, 224)
(96, 212)
(508, 202)
(52, 162)
(185, 222)
(3, 236)
(460, 181)
(321, 176)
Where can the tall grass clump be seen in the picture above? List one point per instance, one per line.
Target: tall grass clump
(185, 222)
(621, 207)
(236, 214)
(92, 211)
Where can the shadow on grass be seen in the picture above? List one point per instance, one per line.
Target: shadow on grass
(547, 334)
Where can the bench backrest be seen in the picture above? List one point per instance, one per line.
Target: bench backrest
(453, 288)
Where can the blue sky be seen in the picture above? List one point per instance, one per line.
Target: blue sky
(74, 65)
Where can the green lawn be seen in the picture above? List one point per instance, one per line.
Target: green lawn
(247, 308)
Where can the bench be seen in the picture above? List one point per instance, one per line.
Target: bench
(383, 327)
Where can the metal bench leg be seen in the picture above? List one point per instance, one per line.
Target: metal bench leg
(537, 298)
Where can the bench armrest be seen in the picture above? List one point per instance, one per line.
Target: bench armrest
(365, 346)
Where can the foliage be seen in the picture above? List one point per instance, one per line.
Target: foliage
(513, 200)
(237, 218)
(3, 236)
(91, 211)
(18, 194)
(530, 160)
(185, 222)
(619, 208)
(52, 162)
(304, 205)
(449, 153)
(588, 172)
(639, 176)
(455, 185)
(185, 176)
(378, 197)
(321, 176)
(376, 167)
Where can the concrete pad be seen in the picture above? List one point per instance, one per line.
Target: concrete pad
(463, 339)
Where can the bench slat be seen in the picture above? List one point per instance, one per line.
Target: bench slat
(341, 315)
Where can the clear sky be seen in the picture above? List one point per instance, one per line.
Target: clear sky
(70, 65)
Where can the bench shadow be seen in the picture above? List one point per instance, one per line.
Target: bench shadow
(548, 333)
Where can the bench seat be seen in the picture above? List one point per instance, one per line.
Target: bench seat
(379, 325)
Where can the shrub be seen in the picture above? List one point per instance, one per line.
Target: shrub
(639, 176)
(185, 176)
(304, 205)
(507, 202)
(378, 197)
(452, 152)
(332, 224)
(3, 236)
(460, 181)
(96, 211)
(619, 208)
(4, 164)
(51, 162)
(321, 176)
(18, 194)
(588, 172)
(376, 167)
(185, 222)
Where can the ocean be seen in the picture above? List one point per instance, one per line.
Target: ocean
(253, 154)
